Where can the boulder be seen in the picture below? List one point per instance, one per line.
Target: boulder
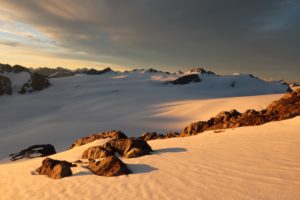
(5, 86)
(129, 148)
(186, 79)
(34, 151)
(55, 169)
(108, 134)
(110, 166)
(97, 152)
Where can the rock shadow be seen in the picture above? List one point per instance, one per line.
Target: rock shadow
(140, 168)
(169, 150)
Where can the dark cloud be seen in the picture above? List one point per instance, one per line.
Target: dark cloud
(231, 35)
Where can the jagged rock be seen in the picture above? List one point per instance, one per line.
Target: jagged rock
(129, 148)
(97, 152)
(149, 136)
(108, 134)
(34, 151)
(96, 72)
(55, 169)
(200, 71)
(110, 166)
(5, 86)
(286, 107)
(186, 79)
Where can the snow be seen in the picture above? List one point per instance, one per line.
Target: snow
(244, 163)
(17, 79)
(132, 102)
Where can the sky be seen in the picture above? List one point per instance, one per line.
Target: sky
(261, 37)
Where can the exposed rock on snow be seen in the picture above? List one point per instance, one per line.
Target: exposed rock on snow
(97, 72)
(36, 83)
(127, 148)
(108, 134)
(186, 79)
(55, 169)
(286, 107)
(5, 86)
(200, 70)
(153, 135)
(38, 150)
(110, 166)
(97, 152)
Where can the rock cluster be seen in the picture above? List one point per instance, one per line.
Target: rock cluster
(108, 134)
(286, 107)
(154, 135)
(127, 148)
(34, 151)
(55, 169)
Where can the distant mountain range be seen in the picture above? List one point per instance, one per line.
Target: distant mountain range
(18, 79)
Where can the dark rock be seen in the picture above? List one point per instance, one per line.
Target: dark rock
(200, 71)
(97, 72)
(55, 169)
(97, 152)
(19, 69)
(171, 135)
(110, 166)
(39, 82)
(186, 79)
(129, 148)
(34, 151)
(5, 68)
(149, 136)
(108, 134)
(5, 86)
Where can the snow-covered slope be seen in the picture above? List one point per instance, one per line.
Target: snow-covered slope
(133, 102)
(258, 162)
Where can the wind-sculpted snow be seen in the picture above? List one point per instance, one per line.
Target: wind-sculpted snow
(134, 102)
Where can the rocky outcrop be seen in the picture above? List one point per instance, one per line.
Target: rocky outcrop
(200, 70)
(153, 135)
(285, 108)
(97, 72)
(34, 151)
(36, 83)
(55, 169)
(14, 69)
(186, 79)
(110, 166)
(108, 134)
(5, 86)
(127, 148)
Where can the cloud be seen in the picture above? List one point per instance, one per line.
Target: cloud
(234, 34)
